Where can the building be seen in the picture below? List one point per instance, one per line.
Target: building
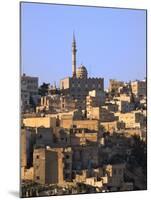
(52, 166)
(125, 106)
(124, 97)
(134, 119)
(85, 157)
(100, 113)
(95, 99)
(69, 122)
(139, 88)
(115, 174)
(111, 106)
(23, 148)
(44, 136)
(125, 89)
(79, 85)
(83, 137)
(113, 126)
(114, 85)
(35, 122)
(56, 103)
(27, 174)
(29, 91)
(125, 102)
(87, 124)
(29, 140)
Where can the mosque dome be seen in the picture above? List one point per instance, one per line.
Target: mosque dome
(81, 72)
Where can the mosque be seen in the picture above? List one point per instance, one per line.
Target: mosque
(79, 85)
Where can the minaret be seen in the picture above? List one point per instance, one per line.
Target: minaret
(74, 50)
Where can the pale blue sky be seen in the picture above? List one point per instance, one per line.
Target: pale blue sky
(111, 43)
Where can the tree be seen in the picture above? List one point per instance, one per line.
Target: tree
(139, 152)
(43, 89)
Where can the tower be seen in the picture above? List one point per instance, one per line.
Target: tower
(74, 50)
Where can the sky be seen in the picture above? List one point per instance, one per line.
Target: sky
(111, 43)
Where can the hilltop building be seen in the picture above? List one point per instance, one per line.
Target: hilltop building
(139, 88)
(29, 91)
(52, 166)
(79, 85)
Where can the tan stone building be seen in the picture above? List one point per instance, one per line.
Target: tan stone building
(83, 137)
(79, 85)
(100, 113)
(44, 136)
(113, 126)
(85, 157)
(23, 148)
(115, 174)
(114, 85)
(139, 88)
(57, 103)
(113, 107)
(27, 174)
(125, 102)
(95, 99)
(29, 88)
(134, 119)
(52, 166)
(125, 106)
(87, 124)
(123, 97)
(36, 122)
(69, 122)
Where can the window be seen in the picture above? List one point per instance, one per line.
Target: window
(40, 136)
(37, 156)
(37, 177)
(67, 166)
(67, 176)
(114, 171)
(67, 156)
(23, 82)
